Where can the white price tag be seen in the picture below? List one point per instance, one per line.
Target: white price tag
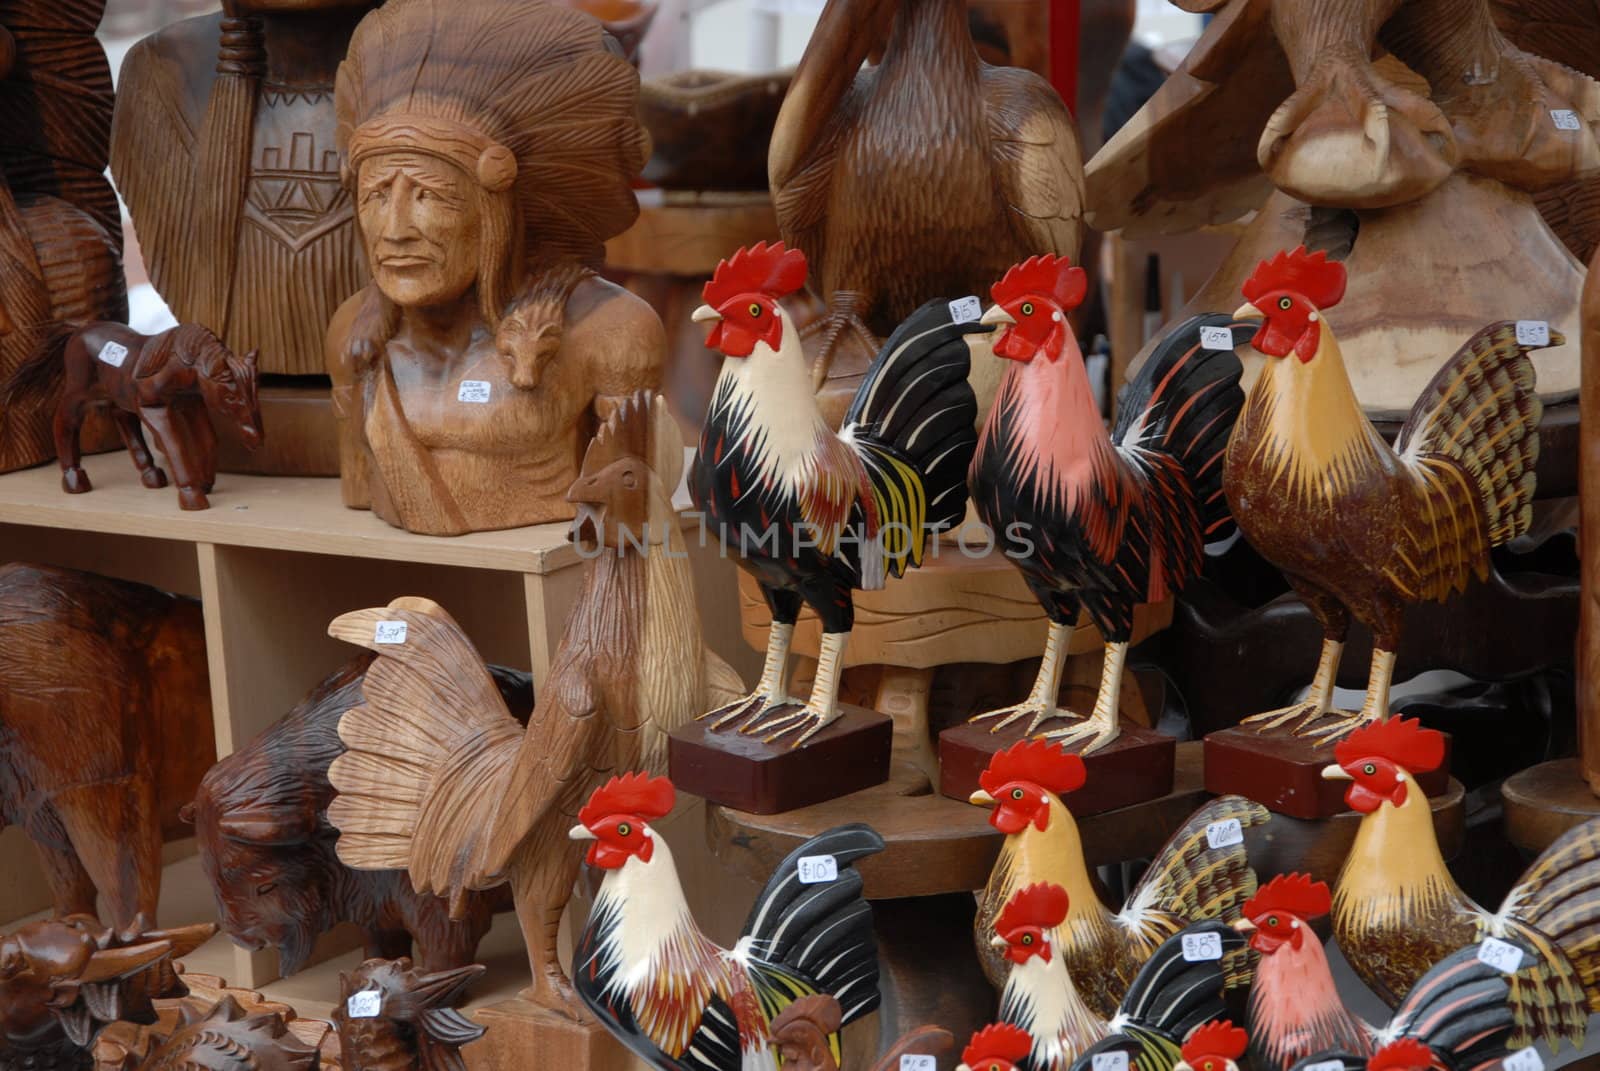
(1110, 1061)
(389, 632)
(1523, 1060)
(114, 353)
(967, 309)
(473, 390)
(1202, 947)
(816, 869)
(1501, 955)
(1533, 333)
(364, 1005)
(1325, 1065)
(1565, 119)
(918, 1063)
(1216, 338)
(1224, 834)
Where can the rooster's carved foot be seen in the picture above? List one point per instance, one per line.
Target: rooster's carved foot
(1041, 710)
(1302, 714)
(1099, 730)
(1517, 128)
(1350, 137)
(812, 719)
(758, 703)
(1338, 729)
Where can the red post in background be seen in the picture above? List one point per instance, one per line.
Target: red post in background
(1064, 50)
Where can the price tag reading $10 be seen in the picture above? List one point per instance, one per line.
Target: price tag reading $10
(1224, 834)
(816, 869)
(364, 1005)
(389, 632)
(1110, 1061)
(918, 1062)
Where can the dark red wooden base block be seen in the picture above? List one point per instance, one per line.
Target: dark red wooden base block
(1283, 773)
(1135, 767)
(734, 770)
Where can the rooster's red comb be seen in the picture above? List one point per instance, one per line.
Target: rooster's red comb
(1215, 1039)
(1404, 1054)
(772, 270)
(997, 1041)
(1039, 762)
(1042, 905)
(637, 794)
(1048, 276)
(1403, 741)
(1311, 275)
(1293, 894)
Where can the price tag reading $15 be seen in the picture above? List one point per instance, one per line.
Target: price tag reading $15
(967, 309)
(1216, 338)
(1224, 834)
(816, 869)
(1523, 1060)
(918, 1062)
(1202, 947)
(473, 390)
(364, 1005)
(1533, 333)
(1501, 955)
(389, 632)
(114, 353)
(1110, 1061)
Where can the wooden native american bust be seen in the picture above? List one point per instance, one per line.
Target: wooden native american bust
(489, 149)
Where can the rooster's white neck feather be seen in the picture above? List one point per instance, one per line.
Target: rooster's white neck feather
(652, 913)
(777, 385)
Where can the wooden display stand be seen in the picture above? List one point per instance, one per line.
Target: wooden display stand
(1136, 766)
(1544, 801)
(728, 767)
(525, 1035)
(1283, 772)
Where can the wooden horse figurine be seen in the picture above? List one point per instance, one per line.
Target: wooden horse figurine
(164, 383)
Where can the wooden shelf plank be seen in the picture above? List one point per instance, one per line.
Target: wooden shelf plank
(273, 512)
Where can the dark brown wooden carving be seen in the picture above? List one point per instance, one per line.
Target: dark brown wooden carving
(228, 1038)
(268, 849)
(124, 666)
(60, 228)
(468, 375)
(925, 176)
(223, 148)
(415, 1027)
(167, 384)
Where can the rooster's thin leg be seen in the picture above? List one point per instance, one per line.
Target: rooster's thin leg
(1317, 701)
(822, 709)
(1041, 701)
(1103, 725)
(1376, 705)
(769, 693)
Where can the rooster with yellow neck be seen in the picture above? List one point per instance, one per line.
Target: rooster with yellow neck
(1397, 911)
(1361, 529)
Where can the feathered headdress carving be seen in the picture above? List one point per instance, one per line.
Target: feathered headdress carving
(1042, 905)
(773, 270)
(520, 94)
(1293, 894)
(1221, 1039)
(998, 1041)
(1038, 762)
(1311, 275)
(1048, 276)
(637, 794)
(1403, 741)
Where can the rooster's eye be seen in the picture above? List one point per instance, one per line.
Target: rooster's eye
(1369, 769)
(755, 310)
(1027, 308)
(1272, 922)
(1210, 1065)
(1017, 793)
(1027, 938)
(623, 829)
(1285, 303)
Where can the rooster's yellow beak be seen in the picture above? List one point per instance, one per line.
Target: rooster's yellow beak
(1248, 311)
(996, 315)
(1334, 772)
(580, 833)
(998, 943)
(1244, 926)
(705, 314)
(981, 798)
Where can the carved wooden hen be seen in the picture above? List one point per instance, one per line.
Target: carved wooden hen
(924, 176)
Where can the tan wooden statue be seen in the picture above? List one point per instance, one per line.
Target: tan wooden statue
(1406, 138)
(489, 148)
(434, 753)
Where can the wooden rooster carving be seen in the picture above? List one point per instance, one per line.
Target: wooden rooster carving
(434, 752)
(924, 176)
(1199, 874)
(1360, 529)
(1397, 911)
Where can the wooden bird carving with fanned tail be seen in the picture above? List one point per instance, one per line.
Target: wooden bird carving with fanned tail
(1397, 911)
(1189, 881)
